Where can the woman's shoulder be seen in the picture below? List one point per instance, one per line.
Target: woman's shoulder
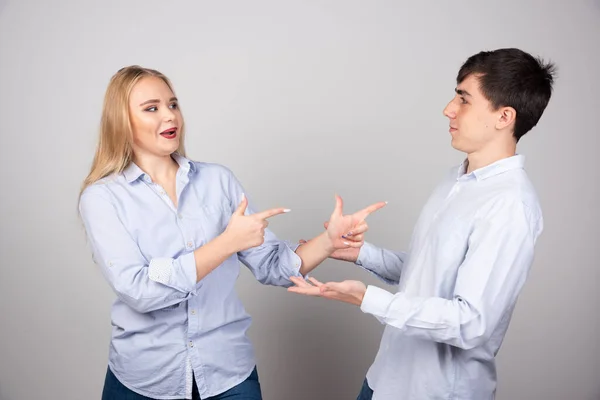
(103, 189)
(213, 170)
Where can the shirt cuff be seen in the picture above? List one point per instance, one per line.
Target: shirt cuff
(160, 270)
(365, 252)
(292, 260)
(177, 273)
(376, 301)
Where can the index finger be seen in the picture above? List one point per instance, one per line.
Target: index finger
(271, 213)
(364, 213)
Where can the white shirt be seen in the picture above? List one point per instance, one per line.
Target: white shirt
(470, 254)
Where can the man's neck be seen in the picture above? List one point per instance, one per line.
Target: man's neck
(485, 157)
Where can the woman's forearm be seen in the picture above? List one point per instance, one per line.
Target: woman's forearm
(314, 252)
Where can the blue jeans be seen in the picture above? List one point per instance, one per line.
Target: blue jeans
(365, 392)
(247, 390)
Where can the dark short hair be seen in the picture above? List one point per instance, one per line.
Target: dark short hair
(513, 78)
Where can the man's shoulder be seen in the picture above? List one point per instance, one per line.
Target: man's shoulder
(517, 186)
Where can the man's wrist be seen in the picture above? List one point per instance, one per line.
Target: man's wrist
(360, 297)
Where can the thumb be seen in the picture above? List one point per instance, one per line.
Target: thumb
(339, 204)
(242, 207)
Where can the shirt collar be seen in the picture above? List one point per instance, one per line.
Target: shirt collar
(185, 164)
(132, 172)
(506, 164)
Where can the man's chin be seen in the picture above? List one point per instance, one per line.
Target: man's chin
(455, 144)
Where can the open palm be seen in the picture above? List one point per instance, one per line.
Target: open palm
(351, 292)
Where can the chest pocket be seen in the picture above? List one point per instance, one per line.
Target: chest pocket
(170, 308)
(213, 219)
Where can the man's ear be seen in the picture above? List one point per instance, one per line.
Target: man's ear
(506, 117)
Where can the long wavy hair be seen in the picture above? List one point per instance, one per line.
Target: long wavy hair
(114, 150)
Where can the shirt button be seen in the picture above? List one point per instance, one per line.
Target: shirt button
(191, 344)
(189, 244)
(193, 312)
(179, 216)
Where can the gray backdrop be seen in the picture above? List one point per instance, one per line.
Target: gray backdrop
(301, 99)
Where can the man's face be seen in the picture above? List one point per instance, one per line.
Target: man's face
(472, 120)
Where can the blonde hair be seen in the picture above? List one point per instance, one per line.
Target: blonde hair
(114, 151)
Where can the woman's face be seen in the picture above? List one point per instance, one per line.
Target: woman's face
(155, 118)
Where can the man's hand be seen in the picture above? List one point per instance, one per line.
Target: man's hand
(351, 292)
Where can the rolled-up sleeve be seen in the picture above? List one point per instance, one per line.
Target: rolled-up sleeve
(273, 262)
(145, 285)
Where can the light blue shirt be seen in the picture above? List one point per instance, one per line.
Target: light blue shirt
(469, 257)
(165, 325)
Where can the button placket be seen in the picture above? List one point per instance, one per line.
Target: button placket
(188, 242)
(161, 192)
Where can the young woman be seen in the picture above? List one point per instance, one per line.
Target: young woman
(168, 234)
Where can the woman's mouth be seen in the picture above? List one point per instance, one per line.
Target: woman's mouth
(169, 133)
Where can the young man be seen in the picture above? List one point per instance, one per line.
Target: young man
(471, 249)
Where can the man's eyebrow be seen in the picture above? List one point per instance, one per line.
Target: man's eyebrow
(462, 92)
